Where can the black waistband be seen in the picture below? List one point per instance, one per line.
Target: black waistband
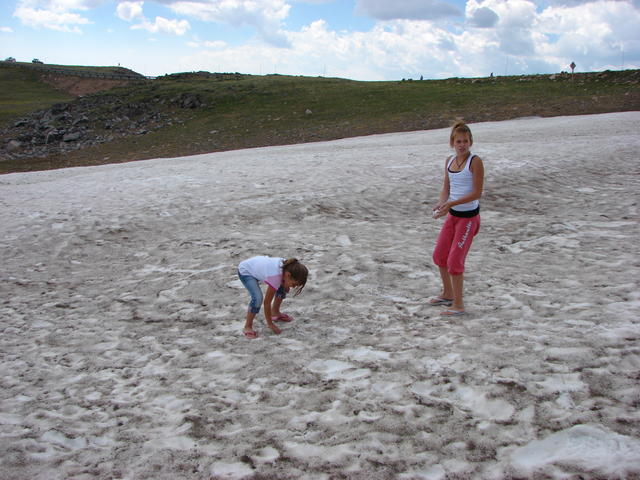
(467, 214)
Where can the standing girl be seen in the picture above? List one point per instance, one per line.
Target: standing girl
(460, 202)
(280, 275)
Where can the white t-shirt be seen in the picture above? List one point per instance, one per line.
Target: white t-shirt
(264, 269)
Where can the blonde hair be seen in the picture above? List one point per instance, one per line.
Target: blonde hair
(460, 128)
(297, 271)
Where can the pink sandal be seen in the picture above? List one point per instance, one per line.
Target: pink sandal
(283, 317)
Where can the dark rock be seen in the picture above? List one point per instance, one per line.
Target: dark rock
(190, 100)
(53, 135)
(62, 117)
(59, 108)
(13, 145)
(71, 137)
(78, 121)
(133, 110)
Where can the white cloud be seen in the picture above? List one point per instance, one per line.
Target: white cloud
(175, 27)
(426, 37)
(219, 44)
(484, 17)
(513, 25)
(391, 50)
(60, 5)
(407, 9)
(6, 29)
(54, 14)
(53, 20)
(265, 16)
(129, 11)
(516, 38)
(571, 3)
(591, 34)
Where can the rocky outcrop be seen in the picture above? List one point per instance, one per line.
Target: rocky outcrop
(89, 121)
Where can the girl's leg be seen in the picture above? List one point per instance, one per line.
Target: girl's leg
(447, 287)
(441, 255)
(248, 324)
(457, 282)
(253, 287)
(465, 230)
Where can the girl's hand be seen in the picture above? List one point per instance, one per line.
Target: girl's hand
(441, 210)
(435, 210)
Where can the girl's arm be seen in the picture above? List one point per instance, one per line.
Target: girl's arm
(444, 192)
(268, 300)
(477, 170)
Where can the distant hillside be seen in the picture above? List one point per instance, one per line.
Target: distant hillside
(114, 73)
(200, 112)
(22, 91)
(72, 79)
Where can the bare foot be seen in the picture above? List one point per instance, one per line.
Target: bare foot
(274, 328)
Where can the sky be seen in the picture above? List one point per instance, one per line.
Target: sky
(367, 40)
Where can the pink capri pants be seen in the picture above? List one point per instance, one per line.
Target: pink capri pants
(454, 242)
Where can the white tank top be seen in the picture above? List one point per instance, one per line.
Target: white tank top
(461, 184)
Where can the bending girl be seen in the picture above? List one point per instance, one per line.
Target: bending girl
(280, 275)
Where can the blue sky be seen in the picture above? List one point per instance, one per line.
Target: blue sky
(357, 39)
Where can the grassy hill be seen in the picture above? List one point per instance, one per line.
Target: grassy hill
(21, 92)
(77, 70)
(200, 112)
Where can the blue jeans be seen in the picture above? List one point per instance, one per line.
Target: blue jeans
(253, 286)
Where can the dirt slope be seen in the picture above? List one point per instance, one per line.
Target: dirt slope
(79, 86)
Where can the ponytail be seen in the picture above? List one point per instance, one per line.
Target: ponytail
(297, 271)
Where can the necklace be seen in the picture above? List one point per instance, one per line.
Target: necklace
(460, 164)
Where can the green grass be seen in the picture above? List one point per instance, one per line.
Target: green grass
(256, 108)
(22, 92)
(105, 70)
(241, 111)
